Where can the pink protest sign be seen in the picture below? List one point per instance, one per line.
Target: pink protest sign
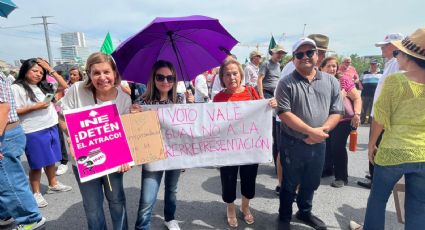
(98, 139)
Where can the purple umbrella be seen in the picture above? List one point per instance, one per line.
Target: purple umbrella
(193, 44)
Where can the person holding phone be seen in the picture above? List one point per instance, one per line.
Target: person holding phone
(39, 120)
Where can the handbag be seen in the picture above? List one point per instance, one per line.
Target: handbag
(348, 108)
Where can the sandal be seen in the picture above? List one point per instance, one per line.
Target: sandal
(232, 221)
(248, 218)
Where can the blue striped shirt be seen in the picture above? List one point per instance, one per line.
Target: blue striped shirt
(6, 96)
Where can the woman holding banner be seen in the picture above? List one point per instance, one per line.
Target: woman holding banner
(161, 89)
(231, 75)
(102, 85)
(33, 95)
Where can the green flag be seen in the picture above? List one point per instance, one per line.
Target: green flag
(272, 44)
(107, 46)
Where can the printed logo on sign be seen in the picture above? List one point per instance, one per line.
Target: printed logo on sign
(94, 158)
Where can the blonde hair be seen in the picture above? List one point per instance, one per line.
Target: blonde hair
(227, 62)
(96, 58)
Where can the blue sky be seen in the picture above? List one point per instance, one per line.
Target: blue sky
(353, 26)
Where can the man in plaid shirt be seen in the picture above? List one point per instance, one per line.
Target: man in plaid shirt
(16, 200)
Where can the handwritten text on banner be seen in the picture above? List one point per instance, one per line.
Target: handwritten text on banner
(214, 134)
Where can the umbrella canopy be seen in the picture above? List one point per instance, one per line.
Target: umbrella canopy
(6, 7)
(193, 44)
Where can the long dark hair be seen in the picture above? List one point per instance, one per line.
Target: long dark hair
(152, 93)
(22, 80)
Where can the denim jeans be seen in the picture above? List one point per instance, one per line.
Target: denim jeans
(16, 198)
(93, 191)
(149, 192)
(384, 179)
(302, 165)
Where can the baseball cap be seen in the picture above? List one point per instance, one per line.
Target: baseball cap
(278, 48)
(389, 38)
(303, 41)
(373, 61)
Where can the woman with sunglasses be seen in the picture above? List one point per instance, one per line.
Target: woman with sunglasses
(33, 96)
(161, 89)
(231, 76)
(336, 151)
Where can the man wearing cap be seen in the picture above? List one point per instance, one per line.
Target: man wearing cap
(369, 82)
(391, 66)
(309, 105)
(252, 68)
(268, 75)
(322, 43)
(16, 200)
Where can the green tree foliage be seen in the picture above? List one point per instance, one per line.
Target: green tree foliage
(362, 64)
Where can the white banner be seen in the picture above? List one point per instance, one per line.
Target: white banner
(214, 134)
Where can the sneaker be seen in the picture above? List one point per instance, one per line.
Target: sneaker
(7, 221)
(32, 226)
(59, 187)
(62, 169)
(355, 226)
(41, 202)
(312, 221)
(277, 190)
(172, 225)
(338, 183)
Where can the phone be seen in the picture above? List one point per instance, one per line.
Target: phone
(49, 97)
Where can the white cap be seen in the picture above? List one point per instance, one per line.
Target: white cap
(303, 41)
(389, 38)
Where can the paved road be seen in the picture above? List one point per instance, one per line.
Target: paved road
(200, 205)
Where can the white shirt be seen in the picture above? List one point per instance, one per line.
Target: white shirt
(390, 67)
(251, 74)
(181, 88)
(79, 96)
(11, 78)
(288, 69)
(216, 88)
(201, 88)
(36, 120)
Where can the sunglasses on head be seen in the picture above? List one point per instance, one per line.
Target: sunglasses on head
(169, 78)
(395, 53)
(308, 53)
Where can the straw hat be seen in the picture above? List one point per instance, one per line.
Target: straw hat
(413, 45)
(322, 41)
(255, 53)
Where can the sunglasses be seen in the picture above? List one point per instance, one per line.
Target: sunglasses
(395, 53)
(169, 78)
(308, 53)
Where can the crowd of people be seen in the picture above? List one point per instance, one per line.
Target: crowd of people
(317, 102)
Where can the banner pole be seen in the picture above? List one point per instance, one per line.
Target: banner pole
(109, 182)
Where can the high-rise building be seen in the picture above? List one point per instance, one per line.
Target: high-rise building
(74, 47)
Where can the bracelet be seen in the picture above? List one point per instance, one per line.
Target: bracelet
(357, 114)
(52, 72)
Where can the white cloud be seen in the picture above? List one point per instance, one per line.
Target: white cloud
(353, 26)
